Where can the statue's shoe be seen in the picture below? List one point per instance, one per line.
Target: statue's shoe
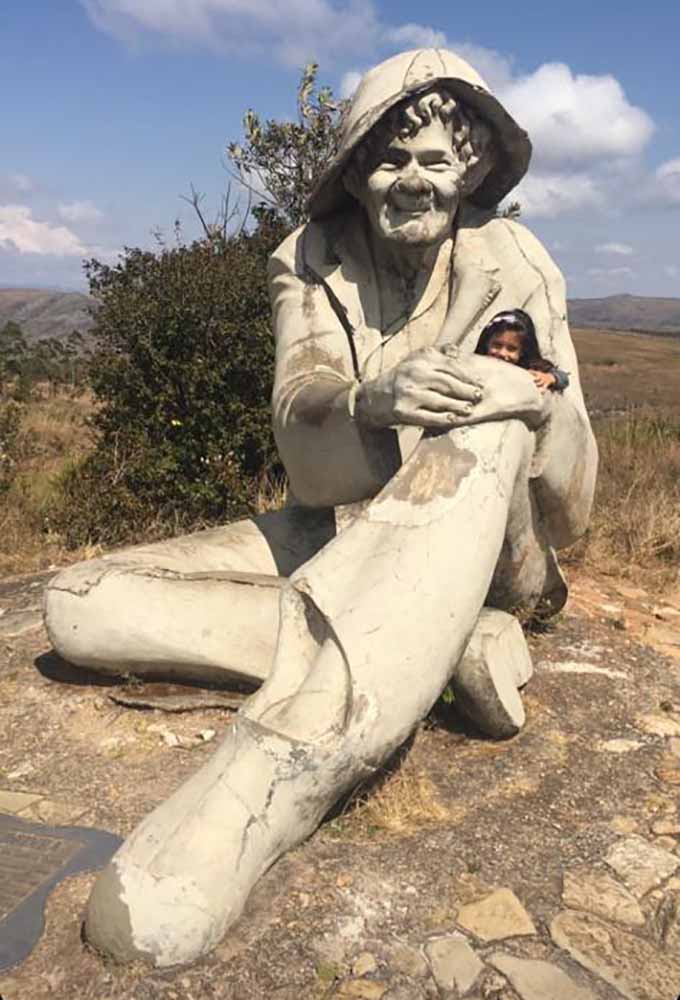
(495, 664)
(184, 875)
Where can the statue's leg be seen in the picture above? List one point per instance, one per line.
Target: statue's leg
(202, 607)
(371, 630)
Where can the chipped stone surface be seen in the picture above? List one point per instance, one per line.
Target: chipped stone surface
(454, 963)
(624, 824)
(498, 916)
(55, 813)
(626, 961)
(618, 746)
(361, 989)
(641, 865)
(16, 623)
(664, 635)
(409, 961)
(666, 827)
(666, 922)
(364, 964)
(16, 802)
(537, 980)
(581, 667)
(659, 725)
(599, 893)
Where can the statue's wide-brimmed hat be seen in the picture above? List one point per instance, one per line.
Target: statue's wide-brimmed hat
(408, 74)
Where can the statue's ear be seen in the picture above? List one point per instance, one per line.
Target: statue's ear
(476, 173)
(352, 182)
(483, 157)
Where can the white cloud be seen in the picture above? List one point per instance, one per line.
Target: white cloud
(545, 195)
(20, 232)
(297, 30)
(611, 273)
(576, 118)
(585, 131)
(672, 270)
(618, 249)
(494, 67)
(79, 211)
(349, 83)
(664, 187)
(415, 36)
(21, 183)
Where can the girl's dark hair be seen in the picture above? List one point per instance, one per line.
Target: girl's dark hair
(519, 322)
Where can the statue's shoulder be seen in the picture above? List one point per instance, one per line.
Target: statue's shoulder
(310, 246)
(506, 238)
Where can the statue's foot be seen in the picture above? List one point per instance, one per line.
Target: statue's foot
(495, 664)
(184, 875)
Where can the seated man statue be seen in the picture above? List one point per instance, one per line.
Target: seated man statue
(429, 489)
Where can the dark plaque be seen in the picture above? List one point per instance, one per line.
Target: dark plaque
(33, 859)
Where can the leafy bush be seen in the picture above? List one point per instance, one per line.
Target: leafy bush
(10, 426)
(182, 373)
(183, 367)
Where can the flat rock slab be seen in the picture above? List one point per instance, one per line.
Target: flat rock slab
(641, 865)
(537, 980)
(33, 859)
(497, 916)
(627, 962)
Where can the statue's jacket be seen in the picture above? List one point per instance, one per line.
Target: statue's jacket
(326, 318)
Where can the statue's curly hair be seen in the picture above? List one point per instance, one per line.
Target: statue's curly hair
(472, 138)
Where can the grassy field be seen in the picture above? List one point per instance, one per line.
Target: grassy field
(632, 386)
(53, 434)
(628, 370)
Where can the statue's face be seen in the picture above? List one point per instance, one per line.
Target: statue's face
(412, 193)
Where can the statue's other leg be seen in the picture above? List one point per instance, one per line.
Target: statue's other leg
(497, 662)
(371, 630)
(203, 607)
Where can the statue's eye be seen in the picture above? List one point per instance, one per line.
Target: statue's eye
(439, 164)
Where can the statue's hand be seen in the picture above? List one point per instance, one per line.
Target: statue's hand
(507, 392)
(430, 388)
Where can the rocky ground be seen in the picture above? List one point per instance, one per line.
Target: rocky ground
(542, 868)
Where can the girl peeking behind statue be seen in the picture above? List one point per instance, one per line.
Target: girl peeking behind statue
(511, 336)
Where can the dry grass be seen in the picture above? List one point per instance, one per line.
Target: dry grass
(403, 801)
(53, 434)
(271, 493)
(624, 370)
(635, 527)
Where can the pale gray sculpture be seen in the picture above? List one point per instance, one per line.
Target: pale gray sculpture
(428, 482)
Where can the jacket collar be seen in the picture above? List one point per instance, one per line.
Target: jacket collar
(477, 289)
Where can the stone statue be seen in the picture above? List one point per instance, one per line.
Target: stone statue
(429, 486)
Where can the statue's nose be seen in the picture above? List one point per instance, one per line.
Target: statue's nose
(413, 183)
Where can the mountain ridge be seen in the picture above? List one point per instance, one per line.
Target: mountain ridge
(47, 312)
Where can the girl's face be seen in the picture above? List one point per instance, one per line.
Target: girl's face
(506, 345)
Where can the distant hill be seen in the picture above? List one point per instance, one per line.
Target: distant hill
(627, 312)
(44, 313)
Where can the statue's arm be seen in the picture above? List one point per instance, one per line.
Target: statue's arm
(330, 457)
(566, 453)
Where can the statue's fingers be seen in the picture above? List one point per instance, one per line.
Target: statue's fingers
(455, 387)
(458, 370)
(440, 402)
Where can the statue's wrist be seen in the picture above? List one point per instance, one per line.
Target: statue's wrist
(363, 402)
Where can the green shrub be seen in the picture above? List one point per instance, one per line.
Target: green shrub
(10, 426)
(183, 365)
(182, 375)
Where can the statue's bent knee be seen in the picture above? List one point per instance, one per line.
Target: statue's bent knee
(76, 611)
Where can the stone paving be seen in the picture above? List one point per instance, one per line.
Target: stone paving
(555, 875)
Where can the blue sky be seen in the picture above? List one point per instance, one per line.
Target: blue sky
(111, 109)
